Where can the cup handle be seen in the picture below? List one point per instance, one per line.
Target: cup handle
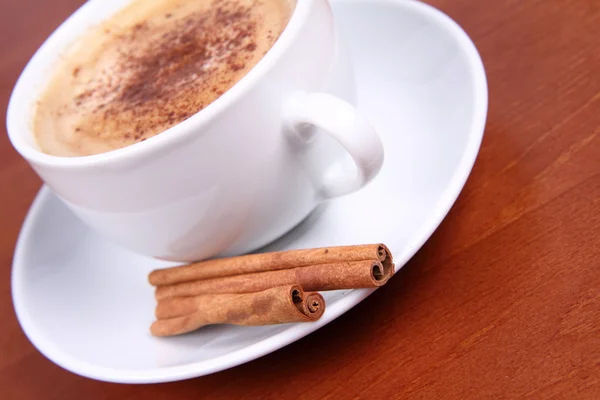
(347, 126)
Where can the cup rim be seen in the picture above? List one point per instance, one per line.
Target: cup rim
(176, 133)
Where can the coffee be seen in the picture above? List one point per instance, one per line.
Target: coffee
(149, 67)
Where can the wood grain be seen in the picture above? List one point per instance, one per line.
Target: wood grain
(502, 302)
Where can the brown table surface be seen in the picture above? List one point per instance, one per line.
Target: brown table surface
(502, 302)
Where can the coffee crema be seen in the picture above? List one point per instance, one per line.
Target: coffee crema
(149, 67)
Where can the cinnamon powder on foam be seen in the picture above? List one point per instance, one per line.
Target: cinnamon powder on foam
(149, 67)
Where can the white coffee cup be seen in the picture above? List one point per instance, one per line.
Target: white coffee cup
(236, 175)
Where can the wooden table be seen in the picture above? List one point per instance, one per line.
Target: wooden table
(502, 302)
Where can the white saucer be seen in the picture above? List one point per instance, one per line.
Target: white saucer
(86, 304)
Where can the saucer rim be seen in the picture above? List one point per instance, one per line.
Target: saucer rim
(295, 331)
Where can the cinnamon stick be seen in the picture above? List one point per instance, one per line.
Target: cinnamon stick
(333, 276)
(276, 305)
(269, 262)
